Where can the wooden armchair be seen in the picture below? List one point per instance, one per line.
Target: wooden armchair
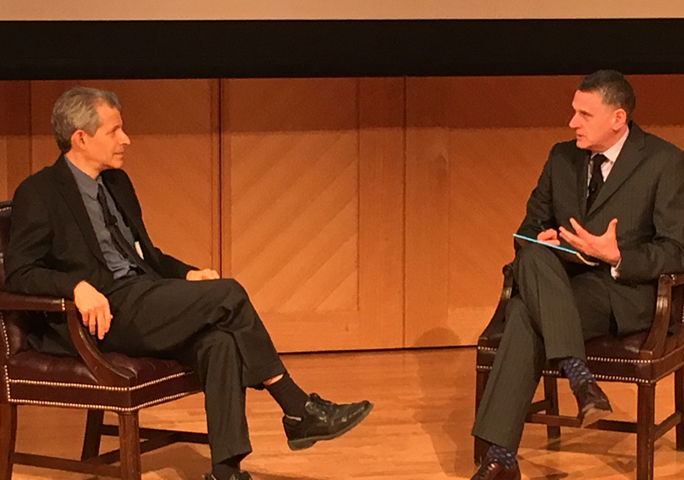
(642, 358)
(92, 381)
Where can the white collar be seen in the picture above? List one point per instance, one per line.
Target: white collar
(613, 152)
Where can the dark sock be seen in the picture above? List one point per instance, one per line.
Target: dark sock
(223, 470)
(577, 372)
(501, 455)
(289, 396)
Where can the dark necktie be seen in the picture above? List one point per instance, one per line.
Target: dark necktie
(596, 181)
(120, 242)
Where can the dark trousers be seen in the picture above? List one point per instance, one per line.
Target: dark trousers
(209, 325)
(551, 317)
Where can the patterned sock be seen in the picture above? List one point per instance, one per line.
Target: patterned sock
(577, 372)
(501, 455)
(230, 466)
(289, 396)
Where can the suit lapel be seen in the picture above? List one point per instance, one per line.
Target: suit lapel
(122, 201)
(72, 195)
(630, 157)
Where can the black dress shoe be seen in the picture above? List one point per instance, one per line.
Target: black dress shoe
(592, 404)
(324, 420)
(491, 470)
(235, 476)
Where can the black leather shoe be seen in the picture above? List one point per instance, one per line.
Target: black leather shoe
(324, 420)
(491, 470)
(592, 404)
(235, 476)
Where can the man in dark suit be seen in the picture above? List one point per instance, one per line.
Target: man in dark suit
(616, 194)
(77, 232)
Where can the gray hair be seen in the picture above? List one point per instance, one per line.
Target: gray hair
(612, 87)
(76, 109)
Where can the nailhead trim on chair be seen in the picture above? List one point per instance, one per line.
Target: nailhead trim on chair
(9, 395)
(99, 407)
(623, 360)
(610, 378)
(600, 376)
(4, 334)
(96, 387)
(596, 359)
(9, 380)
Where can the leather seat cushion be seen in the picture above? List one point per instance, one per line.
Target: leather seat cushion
(36, 377)
(609, 357)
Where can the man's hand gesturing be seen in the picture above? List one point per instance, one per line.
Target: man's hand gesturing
(604, 247)
(94, 309)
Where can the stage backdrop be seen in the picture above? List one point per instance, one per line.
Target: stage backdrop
(360, 213)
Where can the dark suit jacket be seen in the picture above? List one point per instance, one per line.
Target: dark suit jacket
(644, 191)
(52, 242)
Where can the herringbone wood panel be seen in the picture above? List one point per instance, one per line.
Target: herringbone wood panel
(295, 220)
(294, 160)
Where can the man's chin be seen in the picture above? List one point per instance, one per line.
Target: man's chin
(116, 164)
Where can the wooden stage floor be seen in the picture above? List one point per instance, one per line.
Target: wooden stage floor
(419, 429)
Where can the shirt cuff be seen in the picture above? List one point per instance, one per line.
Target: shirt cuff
(615, 271)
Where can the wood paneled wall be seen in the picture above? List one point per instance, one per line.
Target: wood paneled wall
(313, 187)
(15, 135)
(475, 147)
(359, 213)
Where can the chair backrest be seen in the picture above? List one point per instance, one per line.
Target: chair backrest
(5, 221)
(15, 325)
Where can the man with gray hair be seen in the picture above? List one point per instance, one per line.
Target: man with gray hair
(616, 195)
(77, 232)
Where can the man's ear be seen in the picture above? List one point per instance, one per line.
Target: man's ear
(620, 118)
(78, 139)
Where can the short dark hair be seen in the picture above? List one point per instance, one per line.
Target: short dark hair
(613, 88)
(75, 110)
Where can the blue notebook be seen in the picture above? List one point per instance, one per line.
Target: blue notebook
(565, 253)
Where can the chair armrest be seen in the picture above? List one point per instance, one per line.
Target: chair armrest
(657, 336)
(30, 303)
(677, 279)
(103, 371)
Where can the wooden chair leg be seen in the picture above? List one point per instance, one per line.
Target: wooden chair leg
(129, 441)
(679, 406)
(645, 431)
(8, 432)
(551, 396)
(93, 434)
(480, 447)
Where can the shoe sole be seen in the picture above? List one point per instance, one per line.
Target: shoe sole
(593, 415)
(303, 443)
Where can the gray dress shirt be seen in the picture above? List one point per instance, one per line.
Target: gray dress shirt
(117, 263)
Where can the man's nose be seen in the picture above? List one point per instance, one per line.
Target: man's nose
(573, 122)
